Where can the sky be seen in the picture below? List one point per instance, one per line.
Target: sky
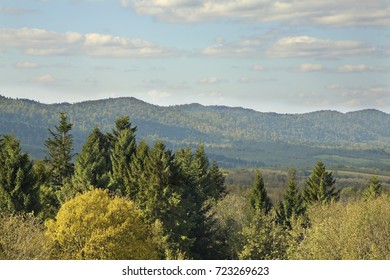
(271, 56)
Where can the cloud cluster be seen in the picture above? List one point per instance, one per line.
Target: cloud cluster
(41, 42)
(16, 11)
(358, 68)
(319, 12)
(210, 81)
(241, 48)
(299, 46)
(307, 67)
(303, 46)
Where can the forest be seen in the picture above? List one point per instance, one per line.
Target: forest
(234, 137)
(124, 198)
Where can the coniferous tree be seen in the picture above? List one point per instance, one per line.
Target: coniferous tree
(93, 164)
(136, 172)
(217, 182)
(160, 197)
(60, 152)
(292, 204)
(123, 147)
(17, 181)
(207, 183)
(259, 199)
(320, 186)
(374, 189)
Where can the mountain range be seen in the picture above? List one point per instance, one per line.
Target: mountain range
(233, 136)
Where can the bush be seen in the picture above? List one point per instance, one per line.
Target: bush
(357, 230)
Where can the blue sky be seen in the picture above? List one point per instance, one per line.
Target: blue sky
(280, 56)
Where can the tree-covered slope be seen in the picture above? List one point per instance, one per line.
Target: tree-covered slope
(233, 136)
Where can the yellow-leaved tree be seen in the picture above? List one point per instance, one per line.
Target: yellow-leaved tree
(358, 230)
(94, 225)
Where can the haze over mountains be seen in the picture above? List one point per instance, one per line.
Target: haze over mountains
(234, 137)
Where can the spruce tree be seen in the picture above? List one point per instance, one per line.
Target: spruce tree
(60, 152)
(320, 186)
(136, 171)
(259, 199)
(93, 164)
(217, 182)
(17, 191)
(374, 189)
(123, 147)
(292, 204)
(160, 199)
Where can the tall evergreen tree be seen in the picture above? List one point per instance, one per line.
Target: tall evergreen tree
(123, 147)
(203, 186)
(93, 164)
(374, 189)
(217, 182)
(17, 192)
(137, 167)
(160, 197)
(259, 199)
(292, 204)
(320, 186)
(60, 152)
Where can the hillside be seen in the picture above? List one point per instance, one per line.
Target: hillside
(235, 137)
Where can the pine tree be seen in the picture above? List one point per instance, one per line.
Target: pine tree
(259, 199)
(292, 204)
(123, 147)
(374, 189)
(60, 152)
(93, 164)
(17, 192)
(320, 186)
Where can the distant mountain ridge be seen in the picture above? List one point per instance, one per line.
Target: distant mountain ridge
(233, 136)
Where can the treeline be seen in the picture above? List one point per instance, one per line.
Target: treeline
(123, 199)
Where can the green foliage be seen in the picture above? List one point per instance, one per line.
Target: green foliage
(357, 230)
(292, 204)
(320, 186)
(374, 189)
(94, 225)
(235, 137)
(60, 152)
(22, 238)
(123, 147)
(259, 199)
(264, 239)
(17, 181)
(232, 213)
(93, 165)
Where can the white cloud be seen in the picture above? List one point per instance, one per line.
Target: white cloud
(210, 81)
(16, 11)
(242, 48)
(305, 46)
(333, 86)
(44, 79)
(307, 67)
(28, 65)
(247, 80)
(258, 67)
(320, 12)
(358, 68)
(41, 42)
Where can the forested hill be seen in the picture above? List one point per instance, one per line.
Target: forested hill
(232, 136)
